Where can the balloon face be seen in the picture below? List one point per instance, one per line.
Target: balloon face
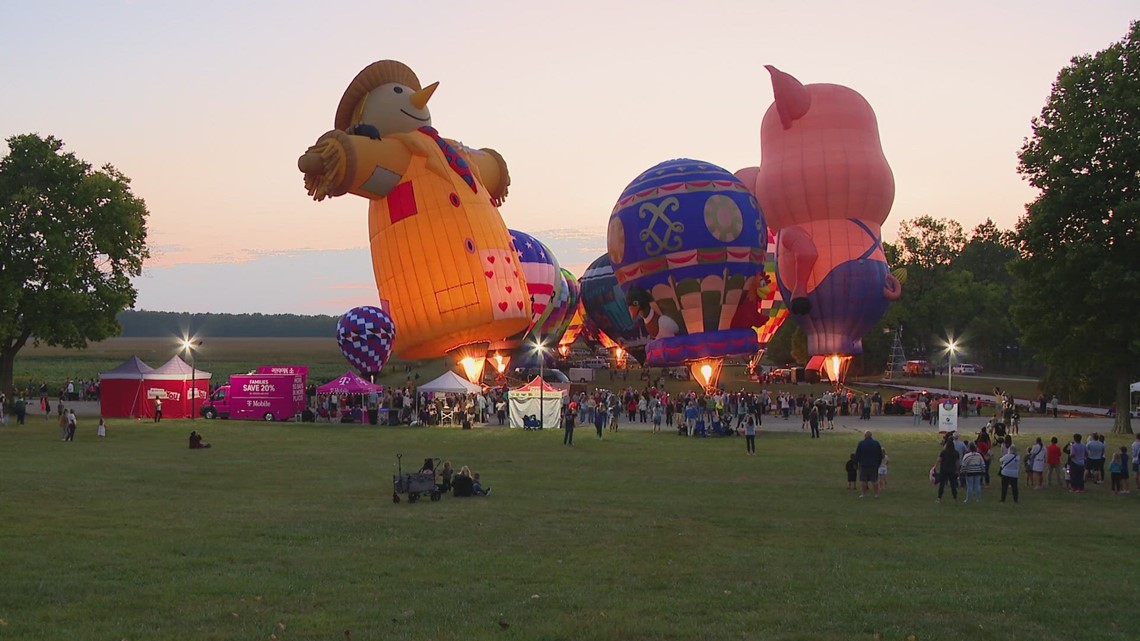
(365, 336)
(686, 239)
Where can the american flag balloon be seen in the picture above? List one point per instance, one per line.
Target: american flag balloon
(366, 336)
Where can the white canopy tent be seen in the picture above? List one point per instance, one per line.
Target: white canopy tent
(1135, 387)
(450, 382)
(538, 400)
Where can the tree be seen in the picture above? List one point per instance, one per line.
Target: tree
(70, 240)
(1078, 297)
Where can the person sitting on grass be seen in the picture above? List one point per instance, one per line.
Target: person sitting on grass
(477, 487)
(463, 484)
(196, 442)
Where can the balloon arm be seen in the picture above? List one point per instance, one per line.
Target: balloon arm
(803, 254)
(489, 167)
(892, 290)
(339, 163)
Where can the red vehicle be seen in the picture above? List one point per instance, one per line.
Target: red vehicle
(904, 403)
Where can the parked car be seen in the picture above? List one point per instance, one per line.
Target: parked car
(967, 369)
(905, 402)
(918, 368)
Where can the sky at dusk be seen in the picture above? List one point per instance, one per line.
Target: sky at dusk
(207, 105)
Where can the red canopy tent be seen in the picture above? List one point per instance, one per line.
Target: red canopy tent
(174, 382)
(122, 393)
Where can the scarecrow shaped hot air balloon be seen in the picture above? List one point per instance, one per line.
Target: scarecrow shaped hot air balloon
(825, 185)
(687, 242)
(441, 255)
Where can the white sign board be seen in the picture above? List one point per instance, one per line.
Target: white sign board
(948, 415)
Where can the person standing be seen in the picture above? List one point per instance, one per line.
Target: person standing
(70, 424)
(1053, 462)
(1053, 405)
(1037, 456)
(973, 467)
(1135, 459)
(600, 418)
(1009, 470)
(947, 464)
(63, 427)
(568, 426)
(1094, 457)
(917, 410)
(813, 421)
(750, 435)
(1076, 451)
(101, 432)
(869, 454)
(21, 409)
(157, 409)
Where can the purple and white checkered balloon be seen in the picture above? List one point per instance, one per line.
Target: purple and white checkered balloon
(366, 336)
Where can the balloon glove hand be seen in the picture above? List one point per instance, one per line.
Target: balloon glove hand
(325, 165)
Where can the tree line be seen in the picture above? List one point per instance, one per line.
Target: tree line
(150, 324)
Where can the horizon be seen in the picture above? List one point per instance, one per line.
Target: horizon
(207, 113)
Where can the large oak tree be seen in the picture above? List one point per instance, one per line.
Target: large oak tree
(1078, 297)
(71, 238)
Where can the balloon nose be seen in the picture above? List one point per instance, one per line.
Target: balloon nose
(420, 98)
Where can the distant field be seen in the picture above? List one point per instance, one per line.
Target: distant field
(219, 356)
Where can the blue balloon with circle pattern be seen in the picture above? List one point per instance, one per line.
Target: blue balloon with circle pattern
(685, 238)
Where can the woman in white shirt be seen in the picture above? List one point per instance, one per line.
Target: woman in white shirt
(1009, 470)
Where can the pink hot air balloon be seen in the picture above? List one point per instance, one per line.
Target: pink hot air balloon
(825, 186)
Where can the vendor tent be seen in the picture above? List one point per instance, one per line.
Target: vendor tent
(536, 400)
(181, 388)
(122, 393)
(349, 383)
(450, 382)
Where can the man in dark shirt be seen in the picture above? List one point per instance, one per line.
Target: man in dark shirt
(869, 454)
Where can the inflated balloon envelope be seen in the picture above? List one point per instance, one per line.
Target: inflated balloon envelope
(687, 241)
(441, 255)
(825, 186)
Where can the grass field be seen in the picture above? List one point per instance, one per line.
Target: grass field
(289, 530)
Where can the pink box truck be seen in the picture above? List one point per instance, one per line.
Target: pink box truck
(260, 396)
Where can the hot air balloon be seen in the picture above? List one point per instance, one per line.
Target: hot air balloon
(763, 308)
(441, 255)
(549, 332)
(825, 186)
(543, 282)
(603, 301)
(687, 241)
(365, 336)
(573, 330)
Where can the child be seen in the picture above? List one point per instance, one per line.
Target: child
(102, 431)
(852, 469)
(445, 475)
(478, 488)
(883, 471)
(1114, 469)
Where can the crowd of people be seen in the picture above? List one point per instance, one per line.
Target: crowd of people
(970, 465)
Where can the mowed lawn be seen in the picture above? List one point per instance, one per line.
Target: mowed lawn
(289, 530)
